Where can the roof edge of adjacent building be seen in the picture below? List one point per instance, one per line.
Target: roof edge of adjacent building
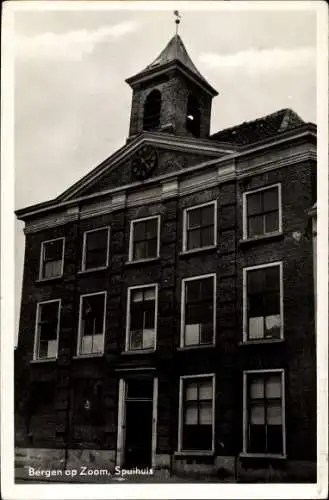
(270, 125)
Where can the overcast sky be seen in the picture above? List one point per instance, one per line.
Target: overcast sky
(72, 105)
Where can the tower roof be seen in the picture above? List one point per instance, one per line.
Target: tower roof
(174, 52)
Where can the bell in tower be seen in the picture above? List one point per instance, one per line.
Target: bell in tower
(170, 95)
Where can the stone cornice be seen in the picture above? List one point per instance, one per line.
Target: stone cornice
(186, 144)
(170, 189)
(99, 208)
(47, 222)
(282, 159)
(143, 197)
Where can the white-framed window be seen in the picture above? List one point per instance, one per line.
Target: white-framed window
(198, 310)
(47, 329)
(52, 259)
(92, 320)
(264, 431)
(262, 211)
(144, 238)
(142, 315)
(196, 423)
(200, 226)
(95, 253)
(263, 302)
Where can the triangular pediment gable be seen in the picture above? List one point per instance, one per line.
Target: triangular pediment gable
(172, 154)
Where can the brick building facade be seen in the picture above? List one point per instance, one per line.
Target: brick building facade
(167, 314)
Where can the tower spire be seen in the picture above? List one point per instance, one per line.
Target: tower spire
(177, 20)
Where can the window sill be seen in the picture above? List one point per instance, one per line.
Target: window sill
(44, 280)
(196, 453)
(46, 360)
(141, 261)
(89, 356)
(94, 269)
(262, 341)
(137, 351)
(187, 253)
(263, 455)
(193, 347)
(261, 239)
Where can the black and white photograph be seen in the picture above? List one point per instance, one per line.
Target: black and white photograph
(163, 299)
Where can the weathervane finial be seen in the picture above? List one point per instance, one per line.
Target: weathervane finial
(177, 20)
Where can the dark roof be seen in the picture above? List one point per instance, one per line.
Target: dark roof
(174, 51)
(262, 128)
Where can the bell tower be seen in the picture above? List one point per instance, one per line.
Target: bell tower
(170, 95)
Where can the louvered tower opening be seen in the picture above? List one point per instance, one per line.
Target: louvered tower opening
(193, 116)
(152, 110)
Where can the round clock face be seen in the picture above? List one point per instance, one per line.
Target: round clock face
(144, 162)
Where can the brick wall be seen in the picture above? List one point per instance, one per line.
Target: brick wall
(296, 354)
(227, 359)
(175, 90)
